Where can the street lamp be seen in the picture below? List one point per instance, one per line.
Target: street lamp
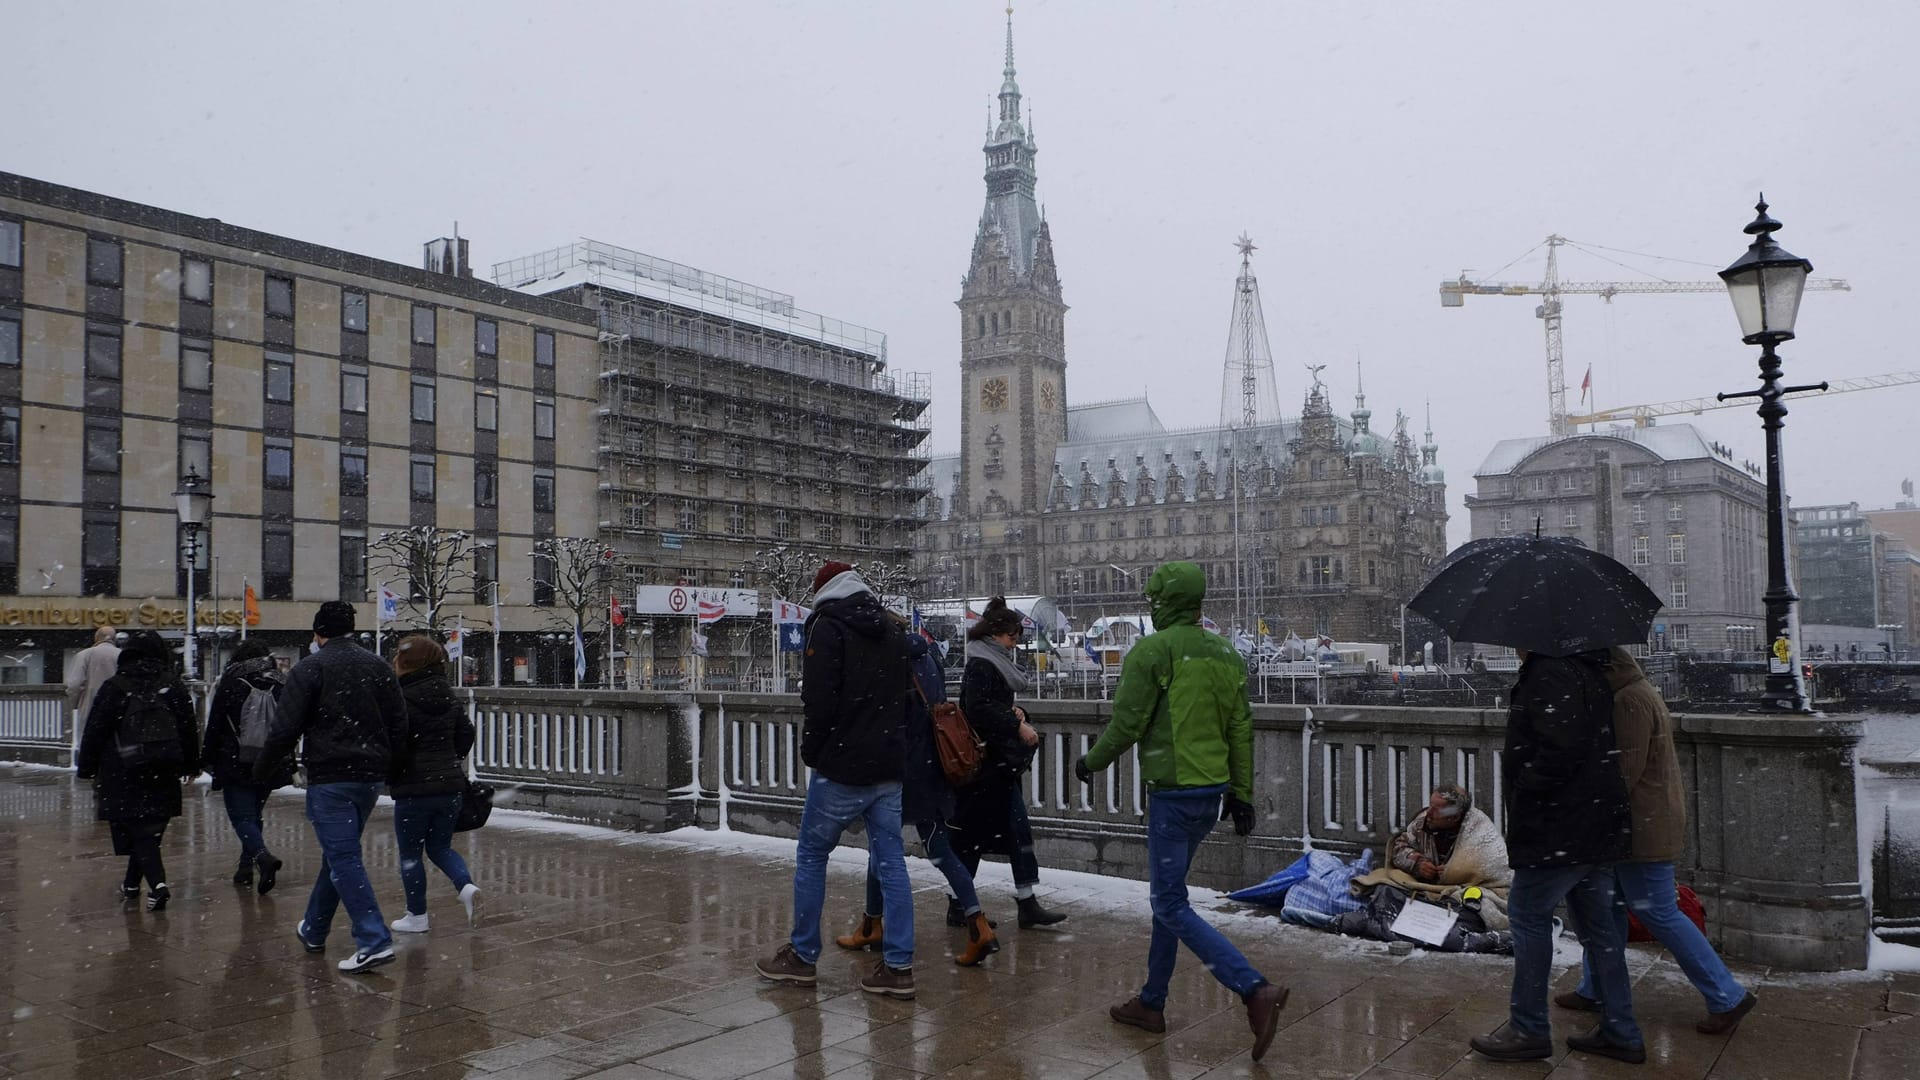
(194, 503)
(1765, 285)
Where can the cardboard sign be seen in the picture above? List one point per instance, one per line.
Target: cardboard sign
(1424, 922)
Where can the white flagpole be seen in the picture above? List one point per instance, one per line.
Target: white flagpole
(496, 635)
(778, 684)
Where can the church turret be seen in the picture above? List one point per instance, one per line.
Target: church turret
(1430, 471)
(1012, 329)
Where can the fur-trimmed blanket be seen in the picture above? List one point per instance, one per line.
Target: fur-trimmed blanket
(1479, 859)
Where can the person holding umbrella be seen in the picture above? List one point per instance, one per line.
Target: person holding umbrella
(1559, 605)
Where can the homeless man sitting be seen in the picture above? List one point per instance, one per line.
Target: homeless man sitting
(1450, 854)
(1430, 839)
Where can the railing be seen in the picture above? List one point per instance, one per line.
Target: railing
(575, 741)
(36, 723)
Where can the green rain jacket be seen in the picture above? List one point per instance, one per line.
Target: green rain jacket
(1182, 696)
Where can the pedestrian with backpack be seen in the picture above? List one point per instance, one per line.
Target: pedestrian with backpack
(245, 703)
(139, 746)
(343, 705)
(927, 801)
(429, 779)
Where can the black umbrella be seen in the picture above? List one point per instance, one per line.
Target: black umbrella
(1549, 595)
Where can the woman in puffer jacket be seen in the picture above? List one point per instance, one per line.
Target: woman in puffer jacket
(137, 800)
(430, 778)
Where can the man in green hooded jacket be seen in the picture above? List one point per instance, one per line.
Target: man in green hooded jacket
(1182, 699)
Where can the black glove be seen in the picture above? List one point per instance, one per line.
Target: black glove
(1242, 815)
(1081, 771)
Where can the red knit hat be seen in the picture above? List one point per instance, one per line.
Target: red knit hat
(831, 570)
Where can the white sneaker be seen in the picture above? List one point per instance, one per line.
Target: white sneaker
(411, 923)
(468, 894)
(363, 960)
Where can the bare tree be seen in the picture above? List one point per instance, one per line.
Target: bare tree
(786, 569)
(579, 570)
(890, 579)
(426, 565)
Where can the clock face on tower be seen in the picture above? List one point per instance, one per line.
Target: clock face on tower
(993, 394)
(1049, 397)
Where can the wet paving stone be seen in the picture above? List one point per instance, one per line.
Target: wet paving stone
(630, 957)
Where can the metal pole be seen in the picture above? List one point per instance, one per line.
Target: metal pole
(193, 556)
(1786, 688)
(496, 627)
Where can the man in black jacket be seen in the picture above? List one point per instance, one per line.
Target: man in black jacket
(857, 680)
(346, 703)
(1568, 821)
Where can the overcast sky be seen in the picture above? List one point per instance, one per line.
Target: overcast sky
(832, 150)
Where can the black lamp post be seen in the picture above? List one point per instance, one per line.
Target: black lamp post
(193, 503)
(1765, 285)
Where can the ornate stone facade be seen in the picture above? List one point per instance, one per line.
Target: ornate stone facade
(1323, 526)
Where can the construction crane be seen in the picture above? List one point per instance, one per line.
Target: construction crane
(1643, 415)
(1551, 288)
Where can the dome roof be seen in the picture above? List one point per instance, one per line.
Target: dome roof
(1366, 442)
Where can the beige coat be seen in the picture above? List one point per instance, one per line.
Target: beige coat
(92, 667)
(1643, 730)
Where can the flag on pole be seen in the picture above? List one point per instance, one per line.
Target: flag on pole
(711, 611)
(784, 613)
(793, 637)
(1586, 384)
(389, 605)
(1091, 654)
(1264, 632)
(457, 645)
(614, 614)
(699, 643)
(579, 655)
(251, 603)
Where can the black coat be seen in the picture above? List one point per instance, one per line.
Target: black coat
(988, 702)
(925, 794)
(1566, 802)
(345, 702)
(121, 795)
(983, 817)
(222, 747)
(438, 738)
(854, 693)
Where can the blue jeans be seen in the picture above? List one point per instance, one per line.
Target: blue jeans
(427, 820)
(1588, 891)
(940, 853)
(339, 813)
(1177, 821)
(244, 804)
(831, 807)
(1647, 888)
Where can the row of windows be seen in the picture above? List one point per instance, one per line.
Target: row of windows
(1641, 550)
(106, 267)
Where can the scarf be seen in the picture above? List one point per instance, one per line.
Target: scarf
(1001, 658)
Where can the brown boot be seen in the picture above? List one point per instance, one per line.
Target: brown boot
(865, 936)
(981, 941)
(1133, 1014)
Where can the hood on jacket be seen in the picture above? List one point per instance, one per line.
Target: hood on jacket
(1175, 592)
(1622, 669)
(842, 585)
(860, 611)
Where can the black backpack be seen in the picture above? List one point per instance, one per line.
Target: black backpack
(148, 738)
